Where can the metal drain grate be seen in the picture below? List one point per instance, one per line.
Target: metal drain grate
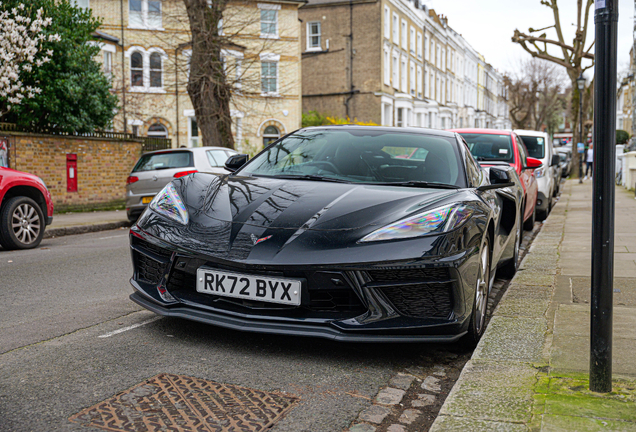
(175, 402)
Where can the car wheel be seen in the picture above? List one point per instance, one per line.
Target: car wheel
(21, 224)
(509, 269)
(529, 224)
(477, 323)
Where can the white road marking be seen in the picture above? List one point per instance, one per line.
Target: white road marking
(104, 238)
(134, 326)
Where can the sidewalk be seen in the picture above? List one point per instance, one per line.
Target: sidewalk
(530, 370)
(83, 222)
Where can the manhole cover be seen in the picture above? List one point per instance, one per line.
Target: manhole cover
(175, 402)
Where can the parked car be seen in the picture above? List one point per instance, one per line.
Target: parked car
(540, 147)
(558, 171)
(26, 209)
(493, 146)
(330, 232)
(154, 170)
(565, 154)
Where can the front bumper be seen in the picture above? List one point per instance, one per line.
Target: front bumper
(365, 304)
(542, 202)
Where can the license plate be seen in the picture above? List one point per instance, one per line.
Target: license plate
(146, 200)
(249, 287)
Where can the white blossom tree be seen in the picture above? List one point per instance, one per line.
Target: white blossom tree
(21, 39)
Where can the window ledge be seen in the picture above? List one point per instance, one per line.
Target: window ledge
(314, 49)
(275, 95)
(146, 28)
(147, 90)
(269, 36)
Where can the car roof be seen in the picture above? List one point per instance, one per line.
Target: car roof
(195, 149)
(530, 133)
(424, 131)
(484, 131)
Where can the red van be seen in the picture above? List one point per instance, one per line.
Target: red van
(492, 146)
(26, 209)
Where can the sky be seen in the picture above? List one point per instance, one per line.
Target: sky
(488, 25)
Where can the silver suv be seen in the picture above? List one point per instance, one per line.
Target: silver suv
(156, 169)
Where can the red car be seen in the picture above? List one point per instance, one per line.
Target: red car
(497, 146)
(25, 209)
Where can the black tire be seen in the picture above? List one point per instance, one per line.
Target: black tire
(477, 323)
(529, 224)
(541, 215)
(509, 269)
(21, 224)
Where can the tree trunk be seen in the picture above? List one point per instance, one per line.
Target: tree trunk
(207, 86)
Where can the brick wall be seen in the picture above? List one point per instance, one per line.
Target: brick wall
(102, 167)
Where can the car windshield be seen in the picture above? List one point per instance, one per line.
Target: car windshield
(217, 158)
(489, 147)
(374, 156)
(164, 160)
(535, 146)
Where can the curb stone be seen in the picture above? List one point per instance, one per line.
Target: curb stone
(82, 229)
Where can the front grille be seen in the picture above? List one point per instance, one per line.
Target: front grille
(148, 269)
(163, 253)
(412, 274)
(181, 280)
(421, 300)
(334, 300)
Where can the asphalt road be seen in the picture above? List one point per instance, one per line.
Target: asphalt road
(70, 338)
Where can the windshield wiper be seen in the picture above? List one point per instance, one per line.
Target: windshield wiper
(423, 184)
(304, 177)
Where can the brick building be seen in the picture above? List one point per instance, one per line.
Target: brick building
(396, 62)
(146, 49)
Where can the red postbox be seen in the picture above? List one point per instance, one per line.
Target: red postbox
(71, 172)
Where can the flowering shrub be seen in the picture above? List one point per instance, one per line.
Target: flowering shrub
(21, 39)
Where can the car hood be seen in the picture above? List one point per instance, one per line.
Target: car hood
(294, 204)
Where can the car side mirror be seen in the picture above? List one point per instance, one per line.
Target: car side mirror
(498, 179)
(533, 164)
(555, 160)
(236, 161)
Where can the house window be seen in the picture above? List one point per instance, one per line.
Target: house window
(403, 77)
(412, 44)
(155, 70)
(82, 4)
(400, 117)
(269, 77)
(270, 134)
(136, 70)
(135, 130)
(404, 41)
(387, 68)
(144, 14)
(419, 82)
(412, 78)
(313, 35)
(419, 45)
(396, 73)
(157, 130)
(387, 23)
(426, 49)
(193, 132)
(396, 30)
(108, 64)
(269, 23)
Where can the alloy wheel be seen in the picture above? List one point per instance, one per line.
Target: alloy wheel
(25, 223)
(481, 295)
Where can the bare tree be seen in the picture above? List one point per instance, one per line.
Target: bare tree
(570, 56)
(536, 97)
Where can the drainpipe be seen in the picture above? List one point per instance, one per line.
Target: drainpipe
(348, 99)
(123, 64)
(176, 89)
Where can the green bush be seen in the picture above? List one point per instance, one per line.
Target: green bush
(621, 136)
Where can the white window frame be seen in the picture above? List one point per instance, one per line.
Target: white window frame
(427, 49)
(412, 78)
(387, 67)
(419, 82)
(412, 40)
(396, 71)
(403, 76)
(310, 36)
(145, 22)
(191, 138)
(270, 7)
(271, 58)
(443, 60)
(387, 22)
(404, 39)
(419, 45)
(145, 54)
(396, 29)
(82, 4)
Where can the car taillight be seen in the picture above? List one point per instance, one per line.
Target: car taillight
(132, 179)
(184, 173)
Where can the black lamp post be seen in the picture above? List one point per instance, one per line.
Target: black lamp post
(580, 82)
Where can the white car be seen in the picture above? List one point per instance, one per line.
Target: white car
(156, 169)
(540, 147)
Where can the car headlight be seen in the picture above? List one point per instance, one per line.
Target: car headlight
(439, 220)
(168, 203)
(539, 172)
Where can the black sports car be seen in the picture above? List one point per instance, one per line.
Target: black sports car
(344, 232)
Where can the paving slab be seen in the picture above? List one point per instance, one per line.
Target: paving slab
(524, 301)
(461, 424)
(495, 391)
(513, 338)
